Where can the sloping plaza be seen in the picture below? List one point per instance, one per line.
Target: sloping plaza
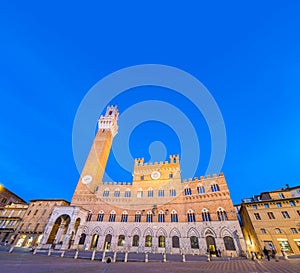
(26, 262)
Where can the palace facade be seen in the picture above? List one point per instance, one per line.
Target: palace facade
(156, 212)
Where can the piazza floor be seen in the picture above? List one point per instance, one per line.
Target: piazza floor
(28, 263)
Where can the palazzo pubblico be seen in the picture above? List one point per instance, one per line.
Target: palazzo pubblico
(156, 212)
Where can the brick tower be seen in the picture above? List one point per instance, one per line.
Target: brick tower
(94, 167)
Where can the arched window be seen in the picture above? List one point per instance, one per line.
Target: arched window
(194, 242)
(229, 243)
(124, 216)
(161, 193)
(161, 216)
(187, 191)
(191, 216)
(149, 217)
(215, 187)
(161, 241)
(135, 240)
(117, 193)
(174, 216)
(222, 215)
(127, 193)
(148, 241)
(121, 240)
(205, 215)
(112, 216)
(139, 193)
(200, 189)
(175, 242)
(150, 192)
(89, 217)
(100, 216)
(82, 239)
(106, 192)
(172, 192)
(137, 217)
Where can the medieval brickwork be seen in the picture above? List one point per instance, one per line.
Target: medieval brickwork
(157, 211)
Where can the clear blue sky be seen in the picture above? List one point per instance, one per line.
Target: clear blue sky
(246, 54)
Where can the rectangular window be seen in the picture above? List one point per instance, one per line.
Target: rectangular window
(173, 193)
(150, 193)
(161, 218)
(271, 215)
(139, 194)
(266, 206)
(292, 203)
(174, 217)
(294, 230)
(278, 205)
(137, 218)
(281, 196)
(161, 193)
(263, 231)
(278, 230)
(257, 216)
(127, 194)
(89, 217)
(170, 175)
(149, 218)
(112, 218)
(254, 206)
(285, 214)
(298, 211)
(124, 218)
(100, 217)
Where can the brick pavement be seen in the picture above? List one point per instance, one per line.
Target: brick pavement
(28, 263)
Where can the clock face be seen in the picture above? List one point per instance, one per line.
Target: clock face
(86, 179)
(155, 175)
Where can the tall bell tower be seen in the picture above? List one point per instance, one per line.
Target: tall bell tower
(93, 170)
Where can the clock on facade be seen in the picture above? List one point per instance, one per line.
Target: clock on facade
(155, 175)
(86, 179)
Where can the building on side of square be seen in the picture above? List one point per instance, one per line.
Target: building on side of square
(7, 197)
(32, 225)
(10, 218)
(156, 212)
(272, 220)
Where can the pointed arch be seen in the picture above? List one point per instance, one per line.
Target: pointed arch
(209, 232)
(136, 231)
(192, 232)
(161, 231)
(85, 230)
(148, 231)
(225, 231)
(96, 230)
(175, 232)
(109, 230)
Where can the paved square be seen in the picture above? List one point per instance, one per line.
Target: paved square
(28, 263)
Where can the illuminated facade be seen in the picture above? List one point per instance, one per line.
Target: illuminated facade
(156, 212)
(272, 220)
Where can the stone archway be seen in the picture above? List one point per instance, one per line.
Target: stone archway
(59, 230)
(211, 245)
(107, 242)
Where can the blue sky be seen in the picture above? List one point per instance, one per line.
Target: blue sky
(246, 54)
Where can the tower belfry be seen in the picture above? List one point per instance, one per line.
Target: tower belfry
(94, 167)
